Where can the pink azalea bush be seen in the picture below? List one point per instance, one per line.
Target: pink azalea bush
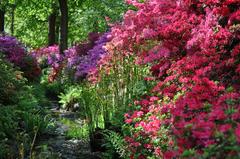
(53, 58)
(193, 50)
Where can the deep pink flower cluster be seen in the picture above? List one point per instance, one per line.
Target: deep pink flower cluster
(53, 57)
(16, 53)
(193, 48)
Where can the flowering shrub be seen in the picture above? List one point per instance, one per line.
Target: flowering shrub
(14, 51)
(83, 58)
(17, 54)
(53, 58)
(75, 55)
(193, 50)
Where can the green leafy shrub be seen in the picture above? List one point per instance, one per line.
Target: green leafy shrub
(52, 89)
(39, 91)
(70, 98)
(34, 121)
(115, 144)
(11, 82)
(8, 128)
(8, 125)
(21, 117)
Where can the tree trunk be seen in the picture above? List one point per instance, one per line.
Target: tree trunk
(12, 19)
(63, 25)
(2, 16)
(52, 29)
(57, 29)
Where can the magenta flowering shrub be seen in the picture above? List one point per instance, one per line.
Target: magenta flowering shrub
(12, 48)
(53, 58)
(17, 54)
(193, 50)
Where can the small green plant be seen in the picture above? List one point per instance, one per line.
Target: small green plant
(35, 122)
(115, 143)
(76, 130)
(70, 98)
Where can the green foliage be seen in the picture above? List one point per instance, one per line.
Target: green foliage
(117, 89)
(21, 117)
(76, 130)
(34, 121)
(27, 101)
(8, 125)
(39, 91)
(18, 128)
(71, 97)
(4, 151)
(31, 20)
(88, 101)
(188, 153)
(115, 143)
(51, 90)
(11, 82)
(105, 103)
(90, 16)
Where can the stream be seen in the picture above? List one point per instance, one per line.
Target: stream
(57, 145)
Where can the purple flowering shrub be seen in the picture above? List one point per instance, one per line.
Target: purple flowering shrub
(52, 58)
(16, 53)
(84, 63)
(81, 59)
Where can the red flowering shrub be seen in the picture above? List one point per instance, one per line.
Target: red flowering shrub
(193, 50)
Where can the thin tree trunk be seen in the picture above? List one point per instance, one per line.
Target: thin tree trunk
(12, 19)
(52, 29)
(64, 25)
(2, 16)
(57, 30)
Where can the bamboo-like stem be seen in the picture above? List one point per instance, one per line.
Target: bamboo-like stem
(33, 142)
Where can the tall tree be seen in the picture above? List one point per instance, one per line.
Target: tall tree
(57, 31)
(64, 25)
(12, 18)
(2, 18)
(52, 28)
